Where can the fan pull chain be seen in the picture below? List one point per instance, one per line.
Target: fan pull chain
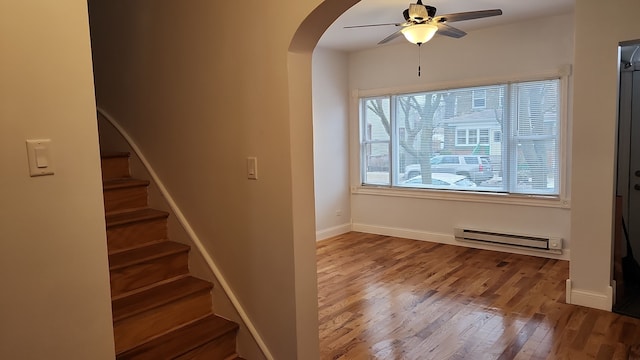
(419, 59)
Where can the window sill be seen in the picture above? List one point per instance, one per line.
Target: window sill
(466, 196)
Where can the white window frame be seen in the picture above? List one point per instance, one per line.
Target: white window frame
(561, 200)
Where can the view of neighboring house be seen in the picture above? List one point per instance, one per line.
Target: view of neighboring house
(467, 121)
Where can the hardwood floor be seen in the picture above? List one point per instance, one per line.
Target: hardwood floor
(389, 298)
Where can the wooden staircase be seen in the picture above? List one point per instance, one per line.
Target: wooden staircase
(159, 310)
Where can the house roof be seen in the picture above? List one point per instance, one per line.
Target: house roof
(487, 117)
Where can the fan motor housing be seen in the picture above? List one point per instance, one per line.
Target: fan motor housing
(419, 13)
(431, 11)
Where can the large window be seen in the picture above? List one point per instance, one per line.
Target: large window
(502, 138)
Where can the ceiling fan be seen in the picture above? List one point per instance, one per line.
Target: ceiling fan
(421, 23)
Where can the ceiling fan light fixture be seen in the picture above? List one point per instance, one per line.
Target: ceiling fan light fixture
(419, 33)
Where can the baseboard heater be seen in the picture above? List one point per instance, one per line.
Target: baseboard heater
(537, 243)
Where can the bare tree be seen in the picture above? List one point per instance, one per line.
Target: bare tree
(418, 113)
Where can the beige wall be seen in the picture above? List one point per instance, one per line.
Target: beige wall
(200, 93)
(55, 300)
(594, 138)
(331, 142)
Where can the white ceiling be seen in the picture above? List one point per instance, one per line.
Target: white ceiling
(390, 11)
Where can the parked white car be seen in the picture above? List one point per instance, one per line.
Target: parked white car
(442, 180)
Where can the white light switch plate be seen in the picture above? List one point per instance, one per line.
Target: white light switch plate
(40, 159)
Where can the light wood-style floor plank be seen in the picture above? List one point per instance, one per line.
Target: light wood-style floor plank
(390, 298)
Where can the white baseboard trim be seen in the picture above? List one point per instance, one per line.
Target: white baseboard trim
(404, 233)
(602, 301)
(333, 231)
(449, 239)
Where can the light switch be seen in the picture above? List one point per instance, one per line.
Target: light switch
(39, 155)
(252, 168)
(42, 157)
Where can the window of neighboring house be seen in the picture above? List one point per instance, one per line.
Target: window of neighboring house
(479, 100)
(419, 136)
(461, 137)
(484, 136)
(497, 136)
(472, 137)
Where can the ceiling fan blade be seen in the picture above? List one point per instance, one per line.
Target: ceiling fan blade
(446, 30)
(390, 37)
(369, 25)
(469, 15)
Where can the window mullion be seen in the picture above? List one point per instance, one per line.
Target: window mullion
(393, 142)
(509, 148)
(363, 139)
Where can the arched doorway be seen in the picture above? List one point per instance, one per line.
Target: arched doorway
(300, 118)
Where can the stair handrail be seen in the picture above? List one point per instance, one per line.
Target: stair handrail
(191, 233)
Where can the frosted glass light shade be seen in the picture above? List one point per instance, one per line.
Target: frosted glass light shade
(419, 33)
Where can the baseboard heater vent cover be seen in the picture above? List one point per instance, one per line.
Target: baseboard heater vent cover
(538, 243)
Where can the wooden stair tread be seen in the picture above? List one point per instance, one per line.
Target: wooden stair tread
(157, 296)
(145, 253)
(128, 217)
(159, 311)
(181, 340)
(121, 183)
